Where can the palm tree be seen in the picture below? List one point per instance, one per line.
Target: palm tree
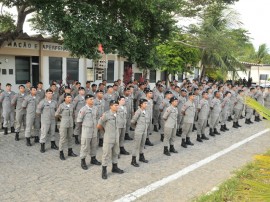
(259, 57)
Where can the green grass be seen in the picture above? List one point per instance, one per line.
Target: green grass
(251, 183)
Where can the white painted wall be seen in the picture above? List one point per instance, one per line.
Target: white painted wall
(8, 62)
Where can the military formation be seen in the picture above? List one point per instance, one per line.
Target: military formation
(103, 115)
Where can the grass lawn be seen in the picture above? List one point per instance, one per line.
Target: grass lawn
(251, 183)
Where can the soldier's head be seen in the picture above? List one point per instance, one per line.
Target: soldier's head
(78, 85)
(94, 87)
(87, 84)
(228, 94)
(127, 92)
(21, 88)
(28, 84)
(217, 94)
(143, 103)
(40, 85)
(104, 81)
(174, 101)
(8, 87)
(68, 98)
(131, 87)
(49, 94)
(114, 105)
(252, 90)
(196, 91)
(205, 95)
(33, 90)
(99, 94)
(121, 100)
(191, 96)
(177, 89)
(183, 92)
(142, 85)
(168, 95)
(160, 88)
(115, 87)
(119, 81)
(109, 89)
(53, 87)
(89, 99)
(101, 86)
(81, 91)
(148, 93)
(241, 92)
(67, 89)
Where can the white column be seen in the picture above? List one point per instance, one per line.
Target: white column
(82, 71)
(45, 72)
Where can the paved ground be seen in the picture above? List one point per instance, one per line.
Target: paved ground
(28, 175)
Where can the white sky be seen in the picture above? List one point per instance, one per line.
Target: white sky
(255, 14)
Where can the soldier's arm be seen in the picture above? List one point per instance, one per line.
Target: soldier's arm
(135, 117)
(14, 100)
(101, 122)
(25, 103)
(166, 114)
(75, 102)
(161, 106)
(184, 108)
(40, 107)
(80, 116)
(59, 111)
(2, 97)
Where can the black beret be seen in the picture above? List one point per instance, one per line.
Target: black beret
(168, 92)
(173, 99)
(99, 91)
(142, 101)
(88, 96)
(81, 88)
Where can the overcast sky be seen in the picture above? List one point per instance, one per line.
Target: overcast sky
(255, 15)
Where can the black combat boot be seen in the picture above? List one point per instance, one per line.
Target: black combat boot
(127, 137)
(17, 136)
(211, 132)
(71, 153)
(188, 142)
(250, 121)
(42, 147)
(142, 159)
(225, 127)
(207, 125)
(199, 139)
(241, 117)
(161, 137)
(222, 128)
(100, 143)
(194, 127)
(104, 172)
(166, 151)
(77, 139)
(36, 139)
(172, 149)
(178, 133)
(3, 126)
(216, 132)
(131, 129)
(155, 128)
(83, 164)
(147, 142)
(259, 119)
(133, 162)
(28, 142)
(238, 124)
(62, 156)
(123, 151)
(5, 131)
(12, 130)
(204, 137)
(247, 122)
(56, 129)
(94, 161)
(183, 144)
(115, 169)
(234, 125)
(53, 145)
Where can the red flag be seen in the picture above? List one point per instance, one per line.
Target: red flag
(100, 48)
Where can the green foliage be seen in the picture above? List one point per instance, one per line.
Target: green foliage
(7, 22)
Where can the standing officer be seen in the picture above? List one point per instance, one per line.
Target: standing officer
(121, 119)
(27, 87)
(181, 101)
(20, 111)
(148, 96)
(249, 110)
(40, 92)
(170, 127)
(8, 109)
(157, 100)
(215, 109)
(225, 105)
(46, 108)
(65, 111)
(108, 97)
(140, 121)
(238, 108)
(99, 102)
(61, 98)
(30, 103)
(259, 97)
(88, 118)
(55, 95)
(111, 139)
(129, 106)
(162, 107)
(139, 94)
(78, 103)
(203, 111)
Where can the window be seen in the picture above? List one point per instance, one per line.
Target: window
(55, 69)
(10, 71)
(110, 71)
(73, 69)
(90, 74)
(22, 69)
(138, 76)
(153, 74)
